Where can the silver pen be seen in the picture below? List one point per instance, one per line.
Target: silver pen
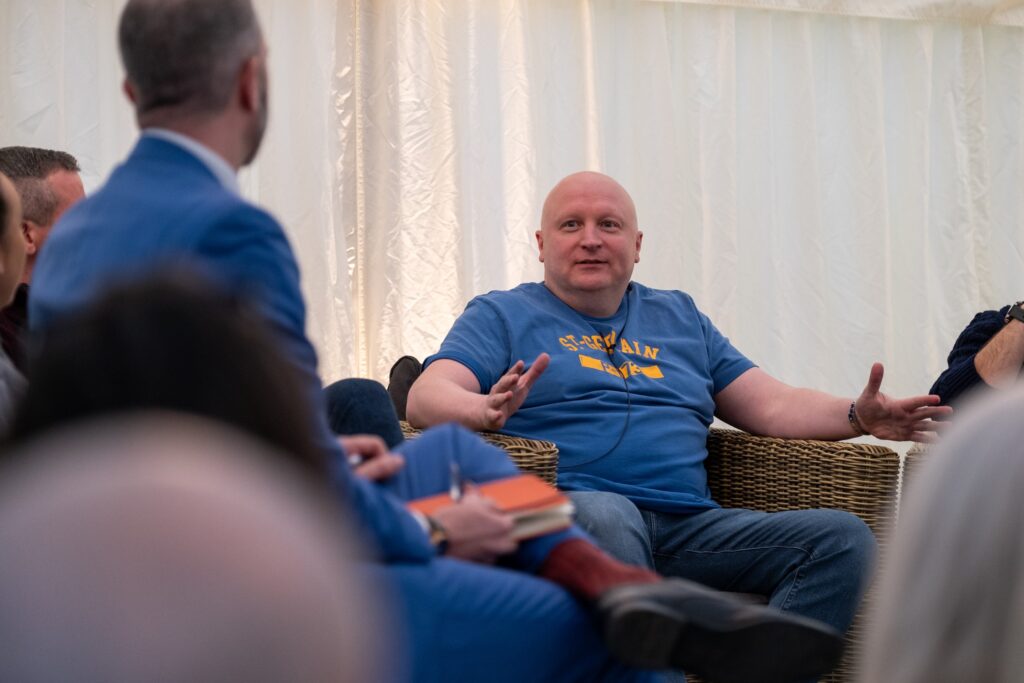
(455, 483)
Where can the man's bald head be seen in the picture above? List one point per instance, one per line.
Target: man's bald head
(589, 242)
(168, 549)
(587, 182)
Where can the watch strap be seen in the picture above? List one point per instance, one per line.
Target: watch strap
(438, 535)
(1015, 312)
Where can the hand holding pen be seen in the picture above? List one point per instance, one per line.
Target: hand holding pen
(477, 530)
(369, 456)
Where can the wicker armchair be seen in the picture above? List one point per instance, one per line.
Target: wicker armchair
(763, 473)
(913, 461)
(770, 474)
(529, 455)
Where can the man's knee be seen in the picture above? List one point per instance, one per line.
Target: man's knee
(616, 525)
(353, 390)
(600, 508)
(362, 406)
(846, 534)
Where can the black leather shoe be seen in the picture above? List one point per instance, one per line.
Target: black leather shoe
(678, 624)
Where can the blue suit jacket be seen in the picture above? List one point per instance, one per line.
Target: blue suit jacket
(163, 207)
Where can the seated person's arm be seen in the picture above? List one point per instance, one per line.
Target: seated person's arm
(999, 362)
(979, 357)
(757, 402)
(448, 391)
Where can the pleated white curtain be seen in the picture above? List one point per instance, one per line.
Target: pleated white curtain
(1006, 12)
(833, 187)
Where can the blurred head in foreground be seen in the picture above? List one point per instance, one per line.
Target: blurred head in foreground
(951, 602)
(173, 341)
(164, 547)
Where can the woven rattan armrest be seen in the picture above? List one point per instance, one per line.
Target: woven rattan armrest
(529, 455)
(764, 473)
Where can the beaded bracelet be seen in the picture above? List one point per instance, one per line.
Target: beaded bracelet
(854, 420)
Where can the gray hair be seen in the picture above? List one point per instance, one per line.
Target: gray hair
(950, 605)
(28, 168)
(166, 548)
(186, 54)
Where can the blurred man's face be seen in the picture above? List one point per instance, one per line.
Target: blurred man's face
(12, 244)
(588, 240)
(67, 187)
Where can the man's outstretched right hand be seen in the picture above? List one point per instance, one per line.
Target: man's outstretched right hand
(509, 392)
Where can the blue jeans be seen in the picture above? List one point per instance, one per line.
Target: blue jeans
(809, 562)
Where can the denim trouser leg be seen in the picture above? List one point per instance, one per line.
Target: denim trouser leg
(809, 562)
(615, 524)
(362, 406)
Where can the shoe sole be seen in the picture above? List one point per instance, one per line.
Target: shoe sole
(768, 647)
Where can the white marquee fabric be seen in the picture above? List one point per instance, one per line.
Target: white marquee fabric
(834, 186)
(1008, 12)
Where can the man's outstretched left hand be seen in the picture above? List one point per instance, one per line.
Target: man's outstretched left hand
(898, 419)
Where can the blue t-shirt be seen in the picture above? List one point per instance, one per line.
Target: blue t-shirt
(628, 399)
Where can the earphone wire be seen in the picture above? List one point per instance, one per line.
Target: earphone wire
(624, 375)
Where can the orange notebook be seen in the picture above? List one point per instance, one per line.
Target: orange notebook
(536, 506)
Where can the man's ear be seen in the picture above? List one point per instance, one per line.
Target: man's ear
(639, 241)
(28, 232)
(540, 245)
(129, 91)
(249, 84)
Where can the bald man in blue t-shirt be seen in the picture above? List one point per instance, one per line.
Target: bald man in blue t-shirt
(626, 381)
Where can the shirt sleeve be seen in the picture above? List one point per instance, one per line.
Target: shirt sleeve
(479, 340)
(725, 362)
(961, 374)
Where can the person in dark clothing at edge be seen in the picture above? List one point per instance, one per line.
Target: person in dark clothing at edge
(988, 353)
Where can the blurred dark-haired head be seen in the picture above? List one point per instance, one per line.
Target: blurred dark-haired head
(47, 181)
(172, 342)
(48, 184)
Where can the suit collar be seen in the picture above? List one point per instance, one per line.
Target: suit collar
(155, 138)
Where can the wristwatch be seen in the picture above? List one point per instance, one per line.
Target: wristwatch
(1016, 312)
(438, 535)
